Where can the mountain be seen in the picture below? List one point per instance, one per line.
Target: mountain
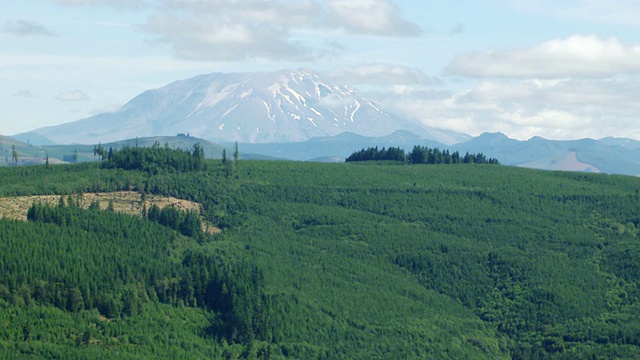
(337, 148)
(256, 107)
(608, 155)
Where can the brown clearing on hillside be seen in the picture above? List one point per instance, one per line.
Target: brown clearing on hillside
(128, 202)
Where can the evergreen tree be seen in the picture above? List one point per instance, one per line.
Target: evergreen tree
(75, 302)
(417, 155)
(236, 153)
(14, 155)
(100, 151)
(236, 157)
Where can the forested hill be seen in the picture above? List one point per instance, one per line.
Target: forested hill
(323, 261)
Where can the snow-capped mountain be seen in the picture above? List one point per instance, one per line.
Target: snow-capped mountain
(284, 106)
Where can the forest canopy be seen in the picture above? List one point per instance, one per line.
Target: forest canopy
(322, 261)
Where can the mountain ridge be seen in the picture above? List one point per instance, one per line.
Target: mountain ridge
(252, 107)
(607, 155)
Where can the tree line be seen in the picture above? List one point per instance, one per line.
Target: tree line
(419, 155)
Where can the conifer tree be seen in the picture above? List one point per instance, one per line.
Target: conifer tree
(14, 155)
(236, 153)
(75, 302)
(100, 151)
(236, 157)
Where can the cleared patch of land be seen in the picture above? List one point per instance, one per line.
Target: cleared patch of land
(128, 202)
(564, 162)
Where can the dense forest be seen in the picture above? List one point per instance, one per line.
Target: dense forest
(419, 155)
(321, 261)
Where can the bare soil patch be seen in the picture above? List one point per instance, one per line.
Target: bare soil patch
(128, 202)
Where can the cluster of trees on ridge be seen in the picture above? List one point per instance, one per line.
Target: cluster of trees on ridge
(153, 159)
(419, 155)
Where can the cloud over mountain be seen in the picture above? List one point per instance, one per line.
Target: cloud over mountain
(578, 55)
(383, 75)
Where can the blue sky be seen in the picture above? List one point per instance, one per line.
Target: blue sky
(558, 69)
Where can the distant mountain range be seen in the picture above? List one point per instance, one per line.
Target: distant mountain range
(295, 115)
(608, 155)
(336, 148)
(283, 106)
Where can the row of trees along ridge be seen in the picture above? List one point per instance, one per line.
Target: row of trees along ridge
(419, 155)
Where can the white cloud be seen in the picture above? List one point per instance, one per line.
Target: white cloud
(211, 39)
(23, 94)
(371, 17)
(219, 30)
(127, 4)
(581, 86)
(224, 30)
(555, 109)
(576, 56)
(74, 95)
(26, 28)
(380, 74)
(234, 30)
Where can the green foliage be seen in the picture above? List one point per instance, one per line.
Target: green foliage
(326, 261)
(187, 223)
(116, 264)
(155, 159)
(390, 154)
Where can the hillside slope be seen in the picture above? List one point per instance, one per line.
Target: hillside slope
(355, 261)
(26, 153)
